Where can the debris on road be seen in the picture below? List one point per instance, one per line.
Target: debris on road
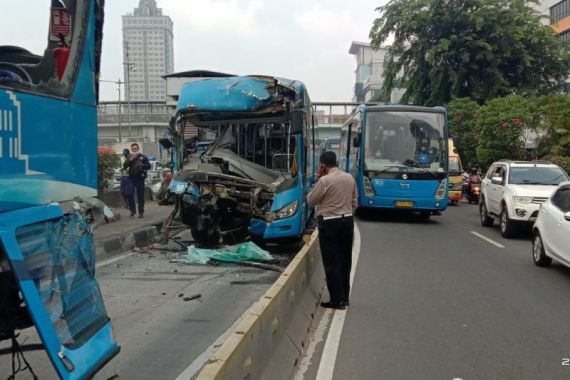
(227, 254)
(194, 297)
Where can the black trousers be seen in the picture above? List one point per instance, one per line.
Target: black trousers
(335, 239)
(135, 186)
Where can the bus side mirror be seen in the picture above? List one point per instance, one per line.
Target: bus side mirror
(356, 141)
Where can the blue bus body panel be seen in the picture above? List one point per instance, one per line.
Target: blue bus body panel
(34, 260)
(48, 146)
(390, 191)
(286, 227)
(48, 153)
(232, 94)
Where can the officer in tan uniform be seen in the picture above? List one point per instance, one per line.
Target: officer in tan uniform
(336, 197)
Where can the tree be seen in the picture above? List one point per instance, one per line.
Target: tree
(504, 126)
(552, 113)
(107, 161)
(463, 116)
(482, 49)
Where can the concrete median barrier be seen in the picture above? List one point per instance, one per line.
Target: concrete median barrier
(271, 336)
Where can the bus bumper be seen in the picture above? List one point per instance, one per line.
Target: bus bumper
(283, 228)
(415, 204)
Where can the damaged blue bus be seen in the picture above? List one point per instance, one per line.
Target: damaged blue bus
(254, 177)
(398, 156)
(48, 153)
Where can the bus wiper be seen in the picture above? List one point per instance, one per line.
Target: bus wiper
(423, 170)
(386, 168)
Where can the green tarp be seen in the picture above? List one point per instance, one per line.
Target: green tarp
(230, 254)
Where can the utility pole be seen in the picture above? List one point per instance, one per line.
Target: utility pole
(128, 66)
(118, 82)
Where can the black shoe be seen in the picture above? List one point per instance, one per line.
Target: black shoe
(333, 305)
(346, 303)
(132, 214)
(141, 216)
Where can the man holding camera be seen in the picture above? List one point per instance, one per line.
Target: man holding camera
(137, 165)
(336, 196)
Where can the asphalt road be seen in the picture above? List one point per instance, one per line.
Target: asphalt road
(434, 301)
(160, 333)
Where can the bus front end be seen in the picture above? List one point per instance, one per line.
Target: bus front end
(404, 159)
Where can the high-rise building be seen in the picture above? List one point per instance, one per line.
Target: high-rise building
(148, 52)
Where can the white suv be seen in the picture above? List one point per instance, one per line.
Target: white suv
(514, 190)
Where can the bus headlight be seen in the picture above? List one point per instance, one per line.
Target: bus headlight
(368, 189)
(440, 193)
(283, 212)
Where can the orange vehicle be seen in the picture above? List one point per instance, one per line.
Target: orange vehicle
(455, 175)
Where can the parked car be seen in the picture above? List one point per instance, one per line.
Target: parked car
(513, 191)
(156, 173)
(551, 232)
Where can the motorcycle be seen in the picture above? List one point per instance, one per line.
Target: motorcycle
(473, 192)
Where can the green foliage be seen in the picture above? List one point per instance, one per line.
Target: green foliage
(481, 49)
(501, 128)
(463, 116)
(552, 113)
(107, 161)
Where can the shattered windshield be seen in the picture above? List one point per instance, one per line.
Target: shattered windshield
(61, 259)
(266, 144)
(413, 141)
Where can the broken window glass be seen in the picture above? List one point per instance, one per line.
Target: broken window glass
(61, 259)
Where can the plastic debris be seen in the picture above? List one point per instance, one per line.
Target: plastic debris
(229, 254)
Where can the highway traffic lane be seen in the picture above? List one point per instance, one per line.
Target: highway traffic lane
(161, 334)
(430, 300)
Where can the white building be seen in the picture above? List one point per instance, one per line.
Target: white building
(369, 72)
(148, 52)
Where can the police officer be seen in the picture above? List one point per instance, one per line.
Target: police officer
(137, 165)
(336, 196)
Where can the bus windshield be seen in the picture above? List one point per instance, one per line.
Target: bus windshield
(397, 140)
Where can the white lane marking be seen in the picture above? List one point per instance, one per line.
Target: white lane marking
(490, 241)
(317, 337)
(114, 259)
(328, 360)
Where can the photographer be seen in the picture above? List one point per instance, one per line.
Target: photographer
(137, 165)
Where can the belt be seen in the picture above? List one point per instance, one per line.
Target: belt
(335, 216)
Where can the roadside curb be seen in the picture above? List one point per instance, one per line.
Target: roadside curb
(122, 241)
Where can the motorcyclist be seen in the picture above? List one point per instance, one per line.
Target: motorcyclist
(474, 176)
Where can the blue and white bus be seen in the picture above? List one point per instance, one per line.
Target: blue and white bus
(48, 154)
(254, 178)
(398, 156)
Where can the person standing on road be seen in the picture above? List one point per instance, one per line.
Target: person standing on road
(336, 196)
(137, 165)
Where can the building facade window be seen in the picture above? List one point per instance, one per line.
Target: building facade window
(560, 10)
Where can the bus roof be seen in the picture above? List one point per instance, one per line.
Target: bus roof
(236, 94)
(400, 107)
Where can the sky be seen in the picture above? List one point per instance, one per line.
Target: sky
(297, 39)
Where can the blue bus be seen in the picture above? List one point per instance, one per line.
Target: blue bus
(48, 153)
(398, 156)
(254, 177)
